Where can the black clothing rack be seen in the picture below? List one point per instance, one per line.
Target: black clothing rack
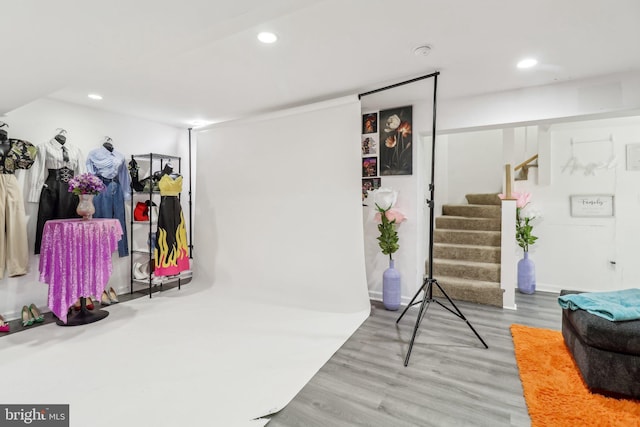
(427, 285)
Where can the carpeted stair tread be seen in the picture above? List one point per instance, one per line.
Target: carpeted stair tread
(468, 237)
(478, 291)
(472, 211)
(474, 270)
(450, 222)
(467, 241)
(483, 199)
(480, 253)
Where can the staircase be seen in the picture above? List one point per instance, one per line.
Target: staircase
(466, 251)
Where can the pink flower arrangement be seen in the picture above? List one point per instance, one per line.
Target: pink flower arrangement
(522, 199)
(387, 219)
(523, 222)
(392, 215)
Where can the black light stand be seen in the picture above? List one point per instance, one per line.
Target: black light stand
(429, 281)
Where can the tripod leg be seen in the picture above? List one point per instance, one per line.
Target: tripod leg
(424, 283)
(423, 309)
(459, 314)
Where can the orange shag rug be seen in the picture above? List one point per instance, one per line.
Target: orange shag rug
(554, 390)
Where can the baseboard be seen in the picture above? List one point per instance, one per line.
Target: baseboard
(377, 296)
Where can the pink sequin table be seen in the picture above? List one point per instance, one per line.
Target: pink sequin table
(75, 260)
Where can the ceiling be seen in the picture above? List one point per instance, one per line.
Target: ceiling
(179, 61)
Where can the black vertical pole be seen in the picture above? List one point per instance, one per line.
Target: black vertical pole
(432, 185)
(429, 281)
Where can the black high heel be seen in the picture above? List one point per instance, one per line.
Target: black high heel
(135, 178)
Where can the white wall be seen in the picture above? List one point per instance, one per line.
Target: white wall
(474, 164)
(36, 122)
(471, 134)
(279, 208)
(577, 253)
(571, 252)
(611, 95)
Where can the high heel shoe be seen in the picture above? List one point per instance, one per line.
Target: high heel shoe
(35, 313)
(4, 326)
(113, 296)
(89, 303)
(27, 317)
(141, 270)
(104, 298)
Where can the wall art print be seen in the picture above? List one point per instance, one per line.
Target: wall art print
(369, 184)
(369, 166)
(370, 123)
(396, 141)
(369, 144)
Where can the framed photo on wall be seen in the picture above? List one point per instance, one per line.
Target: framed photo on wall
(369, 123)
(369, 167)
(369, 144)
(396, 141)
(369, 184)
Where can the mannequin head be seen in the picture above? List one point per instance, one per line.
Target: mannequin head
(4, 135)
(61, 136)
(108, 144)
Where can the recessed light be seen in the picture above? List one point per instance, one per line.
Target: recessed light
(422, 50)
(266, 37)
(527, 63)
(200, 123)
(95, 96)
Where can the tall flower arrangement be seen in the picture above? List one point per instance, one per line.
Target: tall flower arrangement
(524, 228)
(388, 218)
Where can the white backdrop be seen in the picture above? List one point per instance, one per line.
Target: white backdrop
(279, 212)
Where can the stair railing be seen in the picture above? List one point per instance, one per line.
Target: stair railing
(524, 168)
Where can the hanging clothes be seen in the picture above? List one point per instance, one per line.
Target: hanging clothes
(111, 168)
(55, 165)
(14, 251)
(171, 254)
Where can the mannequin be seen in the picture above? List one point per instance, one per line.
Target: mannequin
(5, 144)
(110, 166)
(170, 254)
(56, 164)
(14, 154)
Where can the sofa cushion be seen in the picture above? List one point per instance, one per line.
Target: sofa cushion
(595, 331)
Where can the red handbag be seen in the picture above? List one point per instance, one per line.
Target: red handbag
(141, 212)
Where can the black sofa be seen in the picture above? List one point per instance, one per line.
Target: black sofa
(607, 353)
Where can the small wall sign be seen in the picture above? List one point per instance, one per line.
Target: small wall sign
(592, 205)
(633, 157)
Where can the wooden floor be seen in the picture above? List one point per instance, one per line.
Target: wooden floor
(451, 380)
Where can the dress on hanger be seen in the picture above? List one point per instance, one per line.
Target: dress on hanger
(14, 251)
(111, 168)
(55, 165)
(171, 255)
